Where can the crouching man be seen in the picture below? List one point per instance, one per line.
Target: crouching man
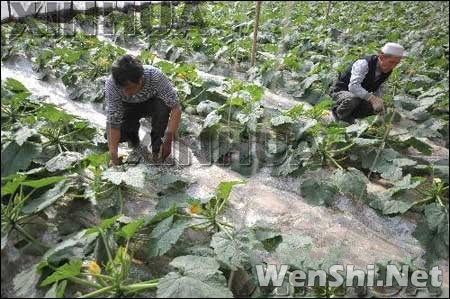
(135, 91)
(358, 91)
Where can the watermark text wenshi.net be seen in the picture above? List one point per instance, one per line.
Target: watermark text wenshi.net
(339, 276)
(161, 17)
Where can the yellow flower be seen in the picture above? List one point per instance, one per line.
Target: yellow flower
(181, 75)
(103, 62)
(94, 268)
(194, 209)
(437, 181)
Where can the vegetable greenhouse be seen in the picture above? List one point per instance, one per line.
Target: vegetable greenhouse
(266, 190)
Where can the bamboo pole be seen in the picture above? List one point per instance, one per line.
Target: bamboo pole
(328, 9)
(255, 31)
(9, 9)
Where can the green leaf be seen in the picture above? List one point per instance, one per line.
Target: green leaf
(62, 161)
(172, 199)
(57, 290)
(206, 107)
(130, 229)
(223, 190)
(294, 250)
(97, 160)
(235, 253)
(107, 223)
(46, 199)
(11, 186)
(134, 176)
(198, 277)
(402, 162)
(318, 192)
(357, 128)
(14, 85)
(419, 145)
(395, 207)
(212, 119)
(352, 182)
(403, 184)
(16, 157)
(384, 164)
(435, 244)
(305, 84)
(53, 114)
(281, 120)
(68, 270)
(172, 183)
(43, 182)
(23, 134)
(295, 159)
(302, 125)
(437, 219)
(76, 245)
(384, 203)
(165, 235)
(157, 217)
(262, 233)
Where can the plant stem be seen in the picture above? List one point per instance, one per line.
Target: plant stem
(342, 149)
(83, 281)
(197, 225)
(108, 251)
(422, 201)
(135, 287)
(225, 230)
(382, 145)
(120, 200)
(230, 279)
(440, 201)
(332, 160)
(97, 292)
(28, 236)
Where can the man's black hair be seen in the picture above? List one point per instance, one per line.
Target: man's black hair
(127, 68)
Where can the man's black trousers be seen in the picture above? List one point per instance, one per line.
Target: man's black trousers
(154, 108)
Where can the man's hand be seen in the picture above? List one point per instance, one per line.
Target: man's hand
(167, 146)
(377, 104)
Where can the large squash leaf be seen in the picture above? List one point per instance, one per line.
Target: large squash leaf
(197, 277)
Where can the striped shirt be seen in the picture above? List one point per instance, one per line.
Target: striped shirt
(359, 71)
(155, 85)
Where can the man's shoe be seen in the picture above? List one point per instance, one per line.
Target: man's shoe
(135, 156)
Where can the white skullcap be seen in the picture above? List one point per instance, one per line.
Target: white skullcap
(393, 49)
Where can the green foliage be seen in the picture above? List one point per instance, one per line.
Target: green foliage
(165, 235)
(299, 54)
(237, 252)
(196, 277)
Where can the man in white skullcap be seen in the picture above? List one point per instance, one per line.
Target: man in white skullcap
(358, 91)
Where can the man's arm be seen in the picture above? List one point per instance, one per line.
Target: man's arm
(359, 71)
(114, 111)
(174, 121)
(113, 144)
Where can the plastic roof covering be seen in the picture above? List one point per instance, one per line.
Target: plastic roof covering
(20, 9)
